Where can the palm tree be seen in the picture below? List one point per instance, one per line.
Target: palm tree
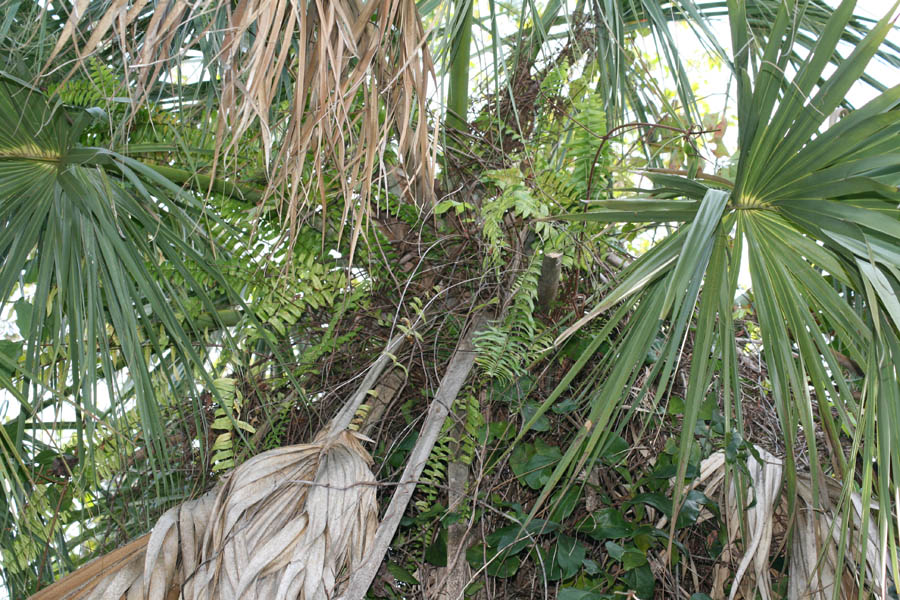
(167, 181)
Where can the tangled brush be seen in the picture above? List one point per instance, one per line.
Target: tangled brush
(290, 523)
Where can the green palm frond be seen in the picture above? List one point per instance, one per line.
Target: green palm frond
(818, 210)
(107, 256)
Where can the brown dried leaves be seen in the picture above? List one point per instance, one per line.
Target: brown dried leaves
(357, 74)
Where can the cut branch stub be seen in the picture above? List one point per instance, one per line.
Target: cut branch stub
(548, 284)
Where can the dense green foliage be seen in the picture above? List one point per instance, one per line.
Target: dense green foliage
(166, 316)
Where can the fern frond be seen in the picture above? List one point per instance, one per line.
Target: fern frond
(587, 148)
(504, 350)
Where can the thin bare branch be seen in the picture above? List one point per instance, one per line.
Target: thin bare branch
(454, 378)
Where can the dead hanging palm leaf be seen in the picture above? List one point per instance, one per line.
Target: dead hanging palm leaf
(289, 523)
(357, 74)
(815, 565)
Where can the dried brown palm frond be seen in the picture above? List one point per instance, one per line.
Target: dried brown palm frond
(288, 523)
(815, 566)
(321, 80)
(100, 573)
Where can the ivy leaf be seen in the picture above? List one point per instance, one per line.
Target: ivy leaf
(504, 568)
(565, 407)
(578, 345)
(546, 563)
(567, 502)
(511, 539)
(668, 471)
(706, 409)
(515, 391)
(576, 594)
(615, 551)
(24, 312)
(397, 458)
(436, 552)
(605, 524)
(11, 352)
(402, 574)
(676, 405)
(641, 581)
(528, 411)
(501, 430)
(590, 566)
(657, 501)
(532, 464)
(633, 558)
(690, 508)
(478, 555)
(569, 555)
(614, 450)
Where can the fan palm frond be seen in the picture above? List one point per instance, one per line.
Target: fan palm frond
(815, 211)
(104, 255)
(102, 238)
(290, 523)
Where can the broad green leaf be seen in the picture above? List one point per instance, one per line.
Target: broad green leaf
(606, 524)
(569, 593)
(540, 423)
(436, 552)
(569, 555)
(402, 574)
(497, 566)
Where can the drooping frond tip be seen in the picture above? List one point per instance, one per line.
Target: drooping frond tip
(315, 83)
